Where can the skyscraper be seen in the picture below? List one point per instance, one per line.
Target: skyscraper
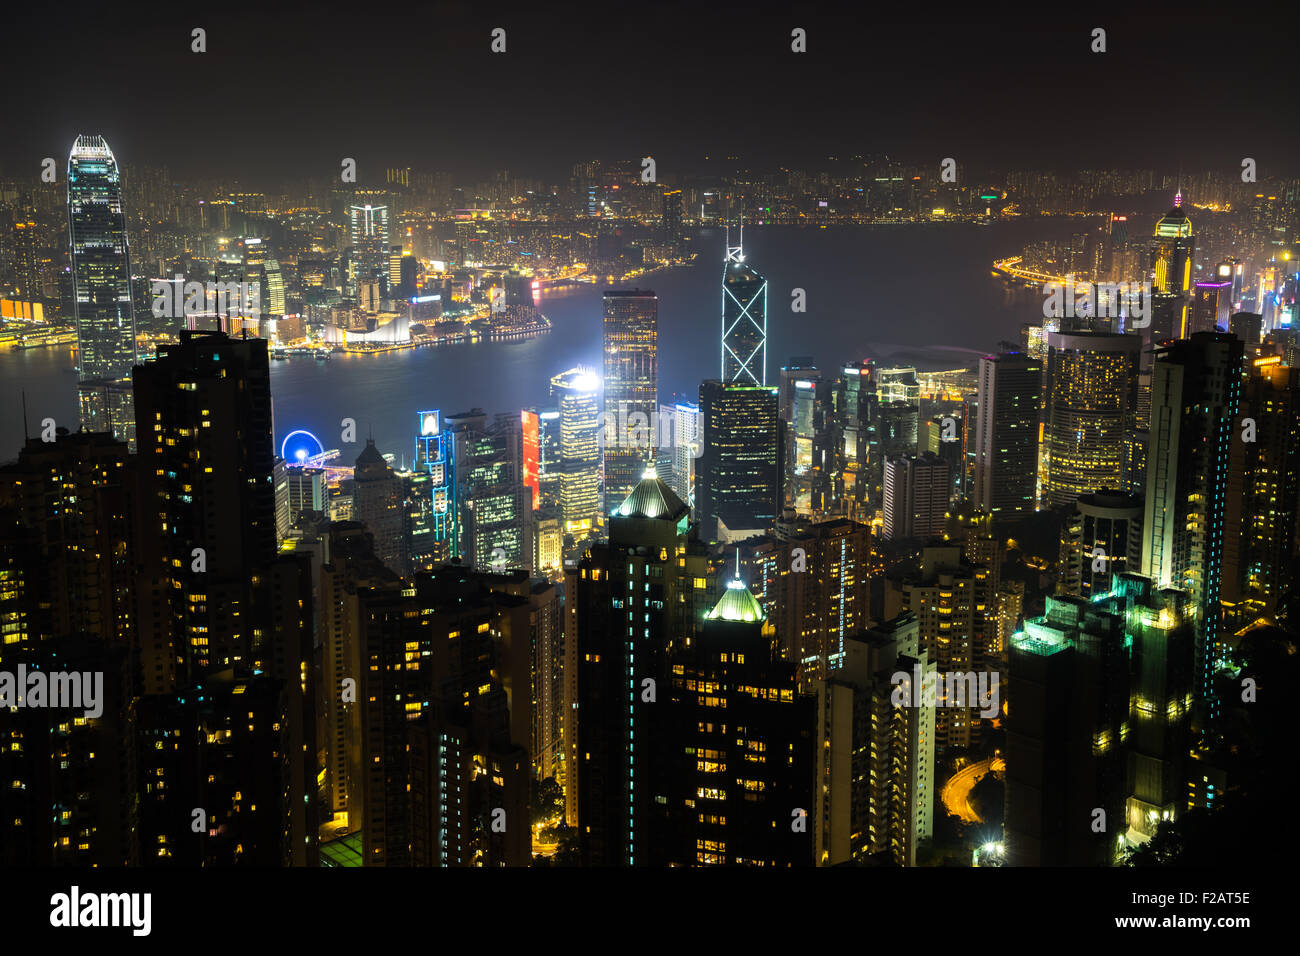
(1173, 250)
(577, 395)
(917, 492)
(634, 599)
(738, 476)
(1091, 403)
(1006, 434)
(101, 288)
(631, 377)
(744, 319)
(377, 502)
(740, 786)
(1069, 674)
(1101, 536)
(875, 760)
(1195, 397)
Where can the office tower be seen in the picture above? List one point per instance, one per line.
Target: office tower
(1068, 677)
(1161, 632)
(435, 532)
(853, 430)
(1091, 401)
(531, 431)
(1247, 326)
(813, 580)
(577, 395)
(377, 502)
(809, 459)
(101, 289)
(496, 514)
(1006, 434)
(740, 745)
(1263, 496)
(898, 385)
(634, 600)
(917, 492)
(679, 447)
(630, 346)
(1101, 536)
(368, 232)
(955, 603)
(875, 760)
(672, 218)
(1172, 251)
(900, 423)
(744, 319)
(738, 475)
(307, 491)
(1195, 397)
(1211, 306)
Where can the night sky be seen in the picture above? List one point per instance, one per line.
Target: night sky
(288, 89)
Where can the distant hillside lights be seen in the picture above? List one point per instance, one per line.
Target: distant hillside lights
(175, 298)
(1099, 300)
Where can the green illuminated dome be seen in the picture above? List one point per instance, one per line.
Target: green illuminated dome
(651, 498)
(737, 604)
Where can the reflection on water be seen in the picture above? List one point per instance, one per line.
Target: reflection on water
(914, 294)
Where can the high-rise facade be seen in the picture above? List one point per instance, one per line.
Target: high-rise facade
(630, 346)
(738, 475)
(875, 759)
(1101, 536)
(633, 600)
(744, 320)
(1173, 252)
(1006, 434)
(1092, 381)
(917, 492)
(1196, 388)
(101, 288)
(576, 394)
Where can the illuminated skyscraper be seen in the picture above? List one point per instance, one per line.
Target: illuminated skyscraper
(738, 476)
(1092, 382)
(1101, 536)
(435, 533)
(576, 393)
(1264, 496)
(101, 289)
(369, 234)
(1173, 248)
(635, 598)
(631, 379)
(744, 319)
(875, 760)
(731, 798)
(1195, 396)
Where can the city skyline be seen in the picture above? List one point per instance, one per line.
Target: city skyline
(633, 439)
